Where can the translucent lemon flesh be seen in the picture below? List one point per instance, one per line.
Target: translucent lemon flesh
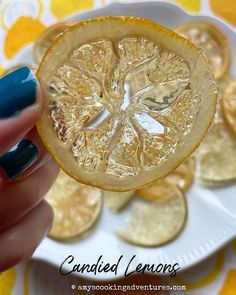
(125, 101)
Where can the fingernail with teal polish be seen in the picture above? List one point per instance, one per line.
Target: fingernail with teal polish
(17, 91)
(19, 158)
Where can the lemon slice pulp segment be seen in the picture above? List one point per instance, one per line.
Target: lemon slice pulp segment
(125, 101)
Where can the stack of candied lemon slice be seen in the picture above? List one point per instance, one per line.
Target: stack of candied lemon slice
(76, 207)
(126, 101)
(211, 41)
(216, 156)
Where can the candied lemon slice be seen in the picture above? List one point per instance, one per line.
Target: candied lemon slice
(156, 223)
(47, 38)
(159, 190)
(76, 207)
(228, 103)
(225, 82)
(107, 132)
(182, 177)
(216, 156)
(117, 200)
(212, 42)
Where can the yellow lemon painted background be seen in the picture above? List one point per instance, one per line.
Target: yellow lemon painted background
(7, 281)
(192, 5)
(25, 31)
(225, 9)
(2, 70)
(61, 8)
(229, 287)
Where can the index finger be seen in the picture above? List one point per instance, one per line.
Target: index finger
(20, 106)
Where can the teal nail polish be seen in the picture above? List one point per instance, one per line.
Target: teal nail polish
(19, 158)
(17, 91)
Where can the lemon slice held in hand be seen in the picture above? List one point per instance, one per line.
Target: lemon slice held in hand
(125, 101)
(47, 38)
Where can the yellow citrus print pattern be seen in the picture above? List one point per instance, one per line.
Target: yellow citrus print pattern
(2, 70)
(25, 31)
(225, 9)
(191, 5)
(209, 278)
(13, 9)
(40, 4)
(7, 281)
(229, 287)
(25, 278)
(61, 8)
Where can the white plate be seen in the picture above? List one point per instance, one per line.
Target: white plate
(212, 213)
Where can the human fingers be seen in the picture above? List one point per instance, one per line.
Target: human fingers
(17, 199)
(20, 241)
(20, 106)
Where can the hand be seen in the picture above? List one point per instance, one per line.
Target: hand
(26, 170)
